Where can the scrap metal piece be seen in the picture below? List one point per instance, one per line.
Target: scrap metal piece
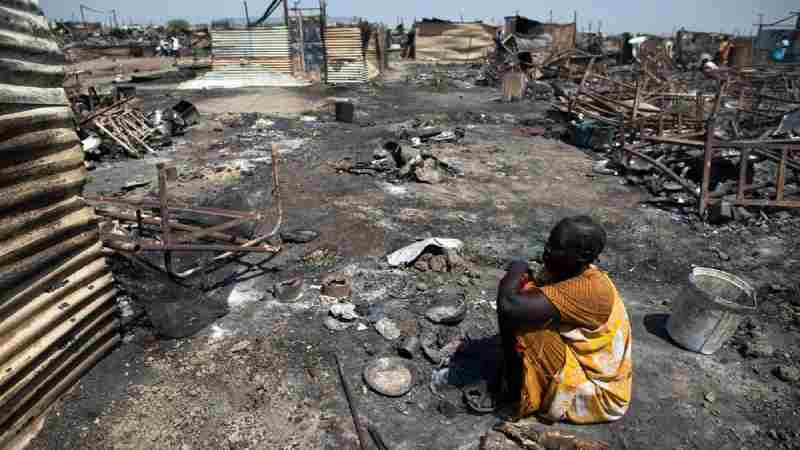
(337, 285)
(289, 290)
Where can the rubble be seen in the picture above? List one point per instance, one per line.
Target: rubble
(110, 123)
(788, 374)
(345, 312)
(334, 324)
(388, 329)
(299, 236)
(449, 310)
(289, 290)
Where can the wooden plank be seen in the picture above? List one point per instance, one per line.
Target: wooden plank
(780, 184)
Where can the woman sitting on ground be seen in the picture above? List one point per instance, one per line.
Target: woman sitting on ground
(566, 334)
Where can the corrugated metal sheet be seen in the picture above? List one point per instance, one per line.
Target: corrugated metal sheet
(345, 56)
(267, 47)
(57, 309)
(453, 42)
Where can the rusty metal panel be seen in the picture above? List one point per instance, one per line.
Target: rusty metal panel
(453, 42)
(57, 308)
(345, 56)
(267, 47)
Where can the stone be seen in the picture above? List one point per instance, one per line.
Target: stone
(299, 236)
(240, 346)
(758, 347)
(710, 397)
(447, 409)
(438, 264)
(447, 311)
(722, 255)
(454, 260)
(777, 288)
(421, 265)
(388, 329)
(422, 287)
(409, 155)
(428, 172)
(742, 214)
(788, 374)
(334, 324)
(345, 312)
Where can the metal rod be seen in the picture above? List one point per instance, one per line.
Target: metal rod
(150, 205)
(707, 160)
(376, 436)
(351, 401)
(208, 231)
(156, 221)
(206, 248)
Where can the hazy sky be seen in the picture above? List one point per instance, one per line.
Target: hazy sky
(652, 16)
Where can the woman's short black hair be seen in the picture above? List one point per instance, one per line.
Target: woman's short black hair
(581, 236)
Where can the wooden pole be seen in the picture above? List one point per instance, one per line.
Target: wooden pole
(302, 37)
(705, 189)
(323, 23)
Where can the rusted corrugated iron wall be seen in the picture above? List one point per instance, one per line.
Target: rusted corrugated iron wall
(453, 42)
(267, 47)
(57, 311)
(345, 55)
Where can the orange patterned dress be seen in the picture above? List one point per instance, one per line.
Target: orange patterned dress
(580, 369)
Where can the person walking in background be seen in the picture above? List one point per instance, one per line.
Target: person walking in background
(725, 47)
(176, 47)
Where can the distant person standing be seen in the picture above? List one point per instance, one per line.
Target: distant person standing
(176, 47)
(163, 48)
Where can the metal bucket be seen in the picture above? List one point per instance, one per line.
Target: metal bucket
(710, 309)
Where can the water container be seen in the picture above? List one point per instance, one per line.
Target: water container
(710, 309)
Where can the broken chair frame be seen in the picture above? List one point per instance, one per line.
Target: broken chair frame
(171, 242)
